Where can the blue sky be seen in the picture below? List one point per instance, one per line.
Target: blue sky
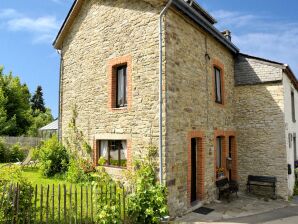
(267, 28)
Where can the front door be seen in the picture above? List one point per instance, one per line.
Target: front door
(193, 169)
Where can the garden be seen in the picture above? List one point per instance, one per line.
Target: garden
(64, 186)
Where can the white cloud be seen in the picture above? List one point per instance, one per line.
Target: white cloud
(8, 13)
(40, 25)
(262, 36)
(42, 29)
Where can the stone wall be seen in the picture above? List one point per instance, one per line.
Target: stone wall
(260, 126)
(105, 31)
(190, 104)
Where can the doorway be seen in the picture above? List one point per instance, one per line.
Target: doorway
(194, 152)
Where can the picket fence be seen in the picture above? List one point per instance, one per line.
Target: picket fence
(60, 204)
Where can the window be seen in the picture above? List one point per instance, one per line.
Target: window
(119, 84)
(121, 90)
(295, 146)
(114, 152)
(293, 106)
(218, 152)
(218, 85)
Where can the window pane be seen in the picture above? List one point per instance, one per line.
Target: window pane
(218, 85)
(114, 153)
(293, 106)
(123, 153)
(125, 86)
(104, 150)
(120, 87)
(218, 152)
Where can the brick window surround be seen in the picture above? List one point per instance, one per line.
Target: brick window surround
(200, 173)
(113, 64)
(225, 151)
(96, 148)
(220, 66)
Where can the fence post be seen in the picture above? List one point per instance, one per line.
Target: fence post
(35, 203)
(91, 189)
(59, 201)
(47, 204)
(41, 203)
(53, 203)
(81, 204)
(64, 186)
(70, 204)
(76, 204)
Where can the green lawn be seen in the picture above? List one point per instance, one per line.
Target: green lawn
(35, 177)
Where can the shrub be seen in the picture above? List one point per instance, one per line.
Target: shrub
(147, 202)
(16, 153)
(3, 151)
(13, 175)
(107, 213)
(76, 172)
(54, 158)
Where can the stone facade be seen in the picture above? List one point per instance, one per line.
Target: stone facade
(97, 38)
(191, 105)
(249, 120)
(260, 126)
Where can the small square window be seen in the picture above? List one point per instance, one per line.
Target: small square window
(114, 152)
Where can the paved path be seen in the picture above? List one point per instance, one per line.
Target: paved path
(287, 215)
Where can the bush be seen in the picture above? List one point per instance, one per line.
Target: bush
(53, 157)
(107, 213)
(16, 153)
(3, 151)
(147, 203)
(13, 175)
(11, 154)
(76, 172)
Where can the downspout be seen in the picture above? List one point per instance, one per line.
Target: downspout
(60, 97)
(162, 13)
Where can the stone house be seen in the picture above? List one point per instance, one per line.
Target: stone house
(158, 72)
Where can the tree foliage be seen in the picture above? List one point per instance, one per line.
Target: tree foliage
(16, 115)
(15, 107)
(37, 101)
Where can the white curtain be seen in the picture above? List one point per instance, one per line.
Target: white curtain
(120, 87)
(123, 152)
(218, 85)
(104, 149)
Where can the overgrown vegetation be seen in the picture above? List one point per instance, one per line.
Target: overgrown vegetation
(12, 153)
(12, 175)
(19, 116)
(54, 158)
(148, 201)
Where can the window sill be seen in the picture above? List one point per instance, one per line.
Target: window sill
(120, 109)
(115, 167)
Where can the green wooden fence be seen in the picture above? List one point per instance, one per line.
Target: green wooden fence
(60, 204)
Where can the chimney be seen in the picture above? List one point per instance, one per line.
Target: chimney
(227, 34)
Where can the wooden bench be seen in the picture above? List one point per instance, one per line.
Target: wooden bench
(226, 188)
(262, 181)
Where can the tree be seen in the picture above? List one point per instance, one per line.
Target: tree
(15, 111)
(39, 119)
(37, 101)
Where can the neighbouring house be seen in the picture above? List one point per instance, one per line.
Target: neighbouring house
(49, 130)
(158, 72)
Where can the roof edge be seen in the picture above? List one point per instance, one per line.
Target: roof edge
(205, 24)
(288, 71)
(286, 68)
(77, 4)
